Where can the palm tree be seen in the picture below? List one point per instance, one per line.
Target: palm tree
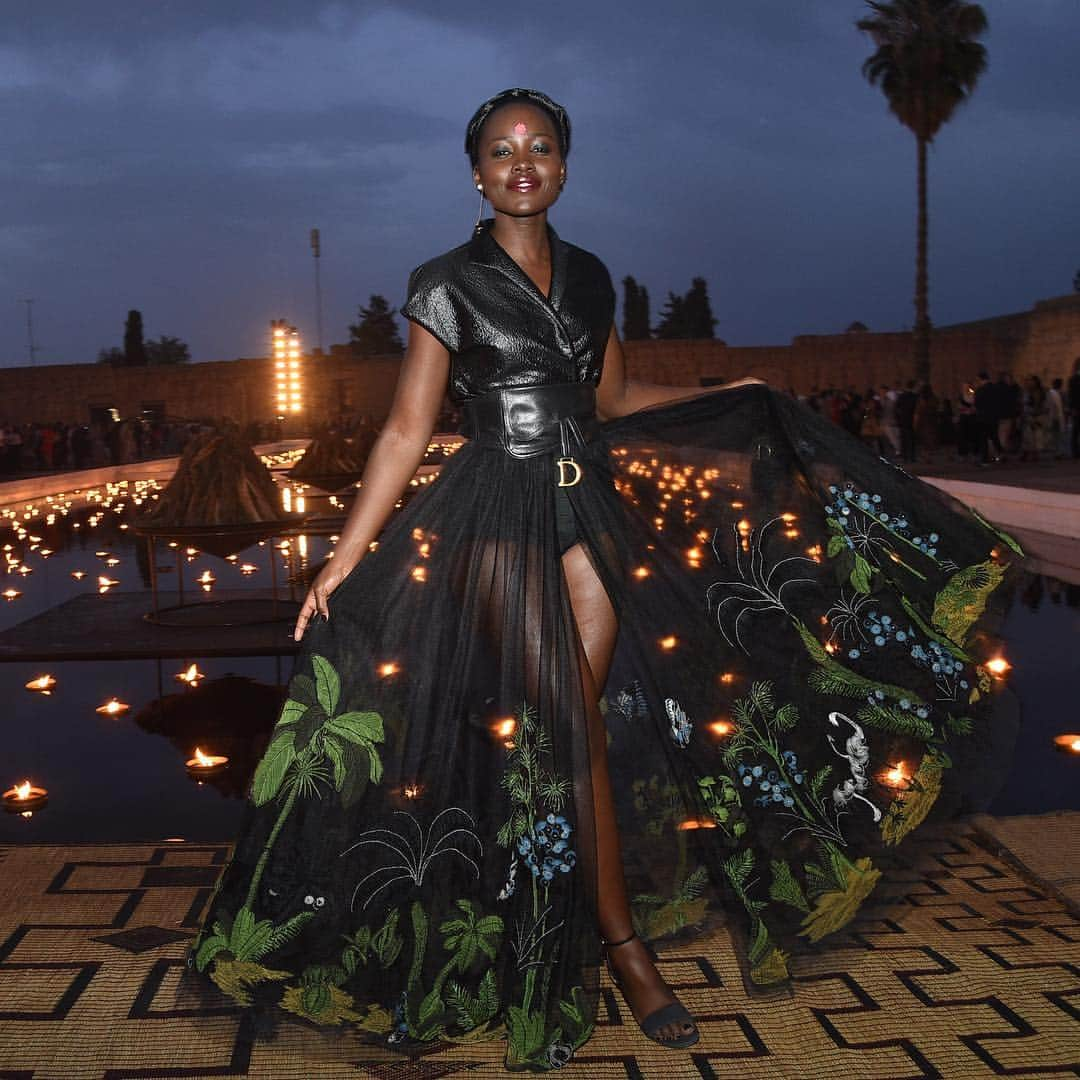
(927, 62)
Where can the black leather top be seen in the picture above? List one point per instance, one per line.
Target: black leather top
(500, 329)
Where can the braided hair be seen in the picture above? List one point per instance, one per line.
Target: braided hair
(517, 93)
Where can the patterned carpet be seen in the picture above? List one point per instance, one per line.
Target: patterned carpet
(967, 966)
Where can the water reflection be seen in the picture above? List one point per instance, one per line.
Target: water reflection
(230, 716)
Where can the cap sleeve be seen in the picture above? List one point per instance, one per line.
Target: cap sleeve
(430, 304)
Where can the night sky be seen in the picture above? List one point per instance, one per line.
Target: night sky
(172, 157)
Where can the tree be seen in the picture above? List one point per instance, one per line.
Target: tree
(376, 334)
(672, 319)
(635, 310)
(697, 312)
(1076, 281)
(113, 356)
(167, 350)
(134, 351)
(857, 328)
(927, 62)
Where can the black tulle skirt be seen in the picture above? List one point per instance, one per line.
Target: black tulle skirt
(804, 672)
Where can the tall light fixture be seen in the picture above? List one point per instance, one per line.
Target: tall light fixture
(285, 347)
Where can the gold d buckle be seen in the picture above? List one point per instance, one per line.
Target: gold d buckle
(561, 466)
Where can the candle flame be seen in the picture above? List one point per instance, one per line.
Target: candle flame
(997, 666)
(505, 728)
(669, 642)
(896, 775)
(721, 727)
(388, 669)
(22, 791)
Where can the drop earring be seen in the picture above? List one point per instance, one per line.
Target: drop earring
(480, 212)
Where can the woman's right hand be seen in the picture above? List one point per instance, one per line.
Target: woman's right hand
(315, 603)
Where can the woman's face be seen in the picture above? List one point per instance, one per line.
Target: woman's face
(519, 161)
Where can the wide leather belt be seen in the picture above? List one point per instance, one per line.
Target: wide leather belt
(533, 420)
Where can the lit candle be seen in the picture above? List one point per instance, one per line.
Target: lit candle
(78, 575)
(43, 684)
(1068, 744)
(388, 669)
(112, 708)
(721, 727)
(25, 797)
(896, 776)
(411, 791)
(998, 666)
(669, 642)
(505, 728)
(694, 823)
(11, 594)
(205, 764)
(247, 568)
(192, 676)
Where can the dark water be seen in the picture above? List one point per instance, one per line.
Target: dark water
(123, 778)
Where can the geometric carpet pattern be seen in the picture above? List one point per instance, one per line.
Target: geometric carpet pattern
(963, 966)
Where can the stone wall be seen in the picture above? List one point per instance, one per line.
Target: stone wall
(243, 390)
(1044, 340)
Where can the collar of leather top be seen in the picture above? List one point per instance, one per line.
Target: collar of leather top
(485, 250)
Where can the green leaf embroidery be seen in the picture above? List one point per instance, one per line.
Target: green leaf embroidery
(931, 633)
(818, 782)
(272, 768)
(787, 716)
(291, 711)
(336, 753)
(1003, 536)
(963, 599)
(738, 867)
(358, 727)
(327, 684)
(860, 575)
(784, 886)
(897, 720)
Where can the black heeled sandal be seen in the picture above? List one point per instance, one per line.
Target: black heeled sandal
(675, 1013)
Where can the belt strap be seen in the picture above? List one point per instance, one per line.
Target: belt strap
(533, 420)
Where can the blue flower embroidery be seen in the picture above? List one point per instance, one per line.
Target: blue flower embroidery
(546, 851)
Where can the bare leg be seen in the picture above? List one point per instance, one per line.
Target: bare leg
(643, 988)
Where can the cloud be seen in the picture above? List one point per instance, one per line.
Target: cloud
(65, 70)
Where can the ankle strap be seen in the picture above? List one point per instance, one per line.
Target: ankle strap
(612, 944)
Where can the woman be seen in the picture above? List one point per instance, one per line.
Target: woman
(631, 663)
(1033, 418)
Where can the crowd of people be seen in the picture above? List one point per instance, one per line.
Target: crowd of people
(990, 421)
(37, 446)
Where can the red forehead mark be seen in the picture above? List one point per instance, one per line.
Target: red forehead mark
(520, 128)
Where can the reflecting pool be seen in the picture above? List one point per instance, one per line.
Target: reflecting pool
(123, 776)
